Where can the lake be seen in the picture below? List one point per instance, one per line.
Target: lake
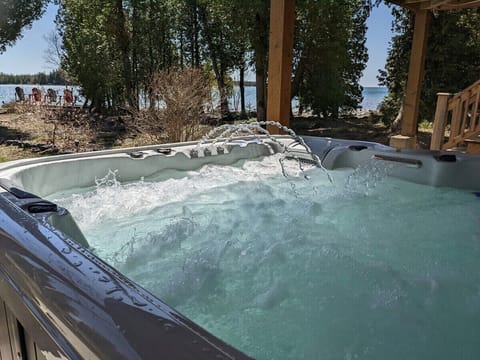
(372, 96)
(7, 92)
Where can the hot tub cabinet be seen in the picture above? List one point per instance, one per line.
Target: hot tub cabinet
(60, 301)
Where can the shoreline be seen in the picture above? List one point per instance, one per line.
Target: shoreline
(370, 102)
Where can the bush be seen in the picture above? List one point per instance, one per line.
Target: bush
(178, 104)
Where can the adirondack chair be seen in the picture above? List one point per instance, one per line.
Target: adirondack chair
(19, 94)
(36, 95)
(51, 96)
(68, 97)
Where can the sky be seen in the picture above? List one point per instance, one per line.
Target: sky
(27, 56)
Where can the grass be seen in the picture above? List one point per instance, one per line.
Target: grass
(9, 153)
(425, 125)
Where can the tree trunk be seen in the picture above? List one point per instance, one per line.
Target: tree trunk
(398, 119)
(243, 112)
(151, 57)
(196, 30)
(217, 66)
(182, 55)
(298, 76)
(123, 39)
(260, 53)
(222, 88)
(261, 91)
(134, 62)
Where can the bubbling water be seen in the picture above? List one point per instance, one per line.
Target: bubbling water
(363, 267)
(228, 132)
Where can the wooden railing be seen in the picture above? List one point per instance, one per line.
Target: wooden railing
(458, 115)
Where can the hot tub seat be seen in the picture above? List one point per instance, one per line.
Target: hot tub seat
(434, 168)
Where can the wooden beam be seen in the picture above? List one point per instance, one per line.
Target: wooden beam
(412, 5)
(280, 57)
(437, 4)
(415, 74)
(469, 5)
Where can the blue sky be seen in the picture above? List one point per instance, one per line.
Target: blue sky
(27, 56)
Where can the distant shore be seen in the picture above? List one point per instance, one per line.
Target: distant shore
(246, 83)
(372, 96)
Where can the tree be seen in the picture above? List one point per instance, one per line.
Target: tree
(330, 55)
(452, 61)
(119, 29)
(53, 78)
(113, 48)
(91, 56)
(54, 53)
(252, 24)
(14, 16)
(394, 77)
(188, 33)
(152, 42)
(219, 36)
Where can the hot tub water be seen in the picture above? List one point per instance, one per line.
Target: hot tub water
(286, 268)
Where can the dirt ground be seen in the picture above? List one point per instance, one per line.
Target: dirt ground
(368, 127)
(31, 132)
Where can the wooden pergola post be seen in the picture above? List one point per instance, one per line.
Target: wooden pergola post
(411, 103)
(280, 58)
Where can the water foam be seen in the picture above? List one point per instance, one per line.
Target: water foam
(111, 200)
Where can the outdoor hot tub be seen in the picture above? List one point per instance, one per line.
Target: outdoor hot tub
(241, 248)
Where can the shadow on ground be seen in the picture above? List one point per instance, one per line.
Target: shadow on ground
(7, 133)
(366, 128)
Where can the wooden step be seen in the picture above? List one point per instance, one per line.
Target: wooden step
(473, 145)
